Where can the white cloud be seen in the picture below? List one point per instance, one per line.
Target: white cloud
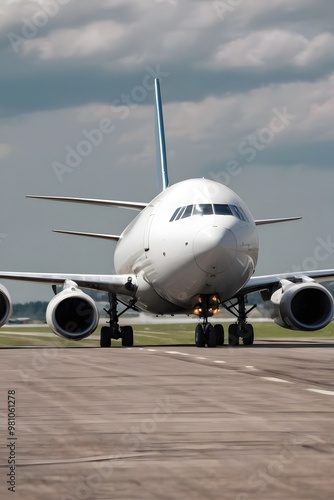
(149, 31)
(272, 48)
(70, 43)
(319, 48)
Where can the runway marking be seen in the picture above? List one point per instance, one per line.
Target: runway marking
(219, 361)
(322, 391)
(249, 367)
(177, 352)
(274, 379)
(152, 350)
(200, 357)
(173, 352)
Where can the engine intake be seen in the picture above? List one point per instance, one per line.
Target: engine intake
(305, 306)
(6, 306)
(72, 314)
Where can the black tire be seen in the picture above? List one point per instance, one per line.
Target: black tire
(233, 337)
(105, 336)
(127, 336)
(248, 337)
(199, 336)
(211, 336)
(219, 329)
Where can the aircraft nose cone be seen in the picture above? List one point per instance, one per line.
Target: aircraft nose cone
(214, 249)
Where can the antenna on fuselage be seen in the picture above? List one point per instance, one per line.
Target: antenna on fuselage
(160, 138)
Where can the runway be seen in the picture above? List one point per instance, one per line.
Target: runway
(170, 422)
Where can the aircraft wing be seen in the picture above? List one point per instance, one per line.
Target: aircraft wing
(89, 201)
(114, 237)
(123, 284)
(257, 283)
(263, 222)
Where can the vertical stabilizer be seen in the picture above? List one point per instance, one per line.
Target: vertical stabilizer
(160, 137)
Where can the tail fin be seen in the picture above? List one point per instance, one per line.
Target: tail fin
(160, 137)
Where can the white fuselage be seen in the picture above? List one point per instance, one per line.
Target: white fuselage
(211, 247)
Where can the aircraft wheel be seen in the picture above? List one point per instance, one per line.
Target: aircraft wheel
(199, 336)
(127, 336)
(233, 337)
(105, 336)
(248, 338)
(219, 329)
(211, 336)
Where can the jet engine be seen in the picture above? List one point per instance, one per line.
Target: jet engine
(304, 306)
(6, 306)
(72, 314)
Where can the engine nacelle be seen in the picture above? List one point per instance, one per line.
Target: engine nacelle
(304, 306)
(72, 314)
(6, 306)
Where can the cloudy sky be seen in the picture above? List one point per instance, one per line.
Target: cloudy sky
(248, 91)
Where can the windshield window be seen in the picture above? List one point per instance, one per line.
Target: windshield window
(187, 212)
(175, 214)
(222, 210)
(180, 213)
(239, 213)
(202, 209)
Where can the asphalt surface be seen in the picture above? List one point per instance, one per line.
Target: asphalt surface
(169, 422)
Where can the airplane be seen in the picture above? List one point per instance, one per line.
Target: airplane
(193, 249)
(19, 321)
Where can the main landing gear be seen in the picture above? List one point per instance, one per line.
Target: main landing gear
(115, 331)
(240, 329)
(213, 335)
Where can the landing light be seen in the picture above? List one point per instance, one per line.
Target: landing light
(211, 306)
(214, 305)
(197, 310)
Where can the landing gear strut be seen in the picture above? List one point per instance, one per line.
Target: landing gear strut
(206, 333)
(240, 329)
(114, 331)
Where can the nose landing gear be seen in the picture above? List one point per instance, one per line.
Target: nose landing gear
(205, 332)
(213, 335)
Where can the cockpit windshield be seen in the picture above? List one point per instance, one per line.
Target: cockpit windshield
(208, 209)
